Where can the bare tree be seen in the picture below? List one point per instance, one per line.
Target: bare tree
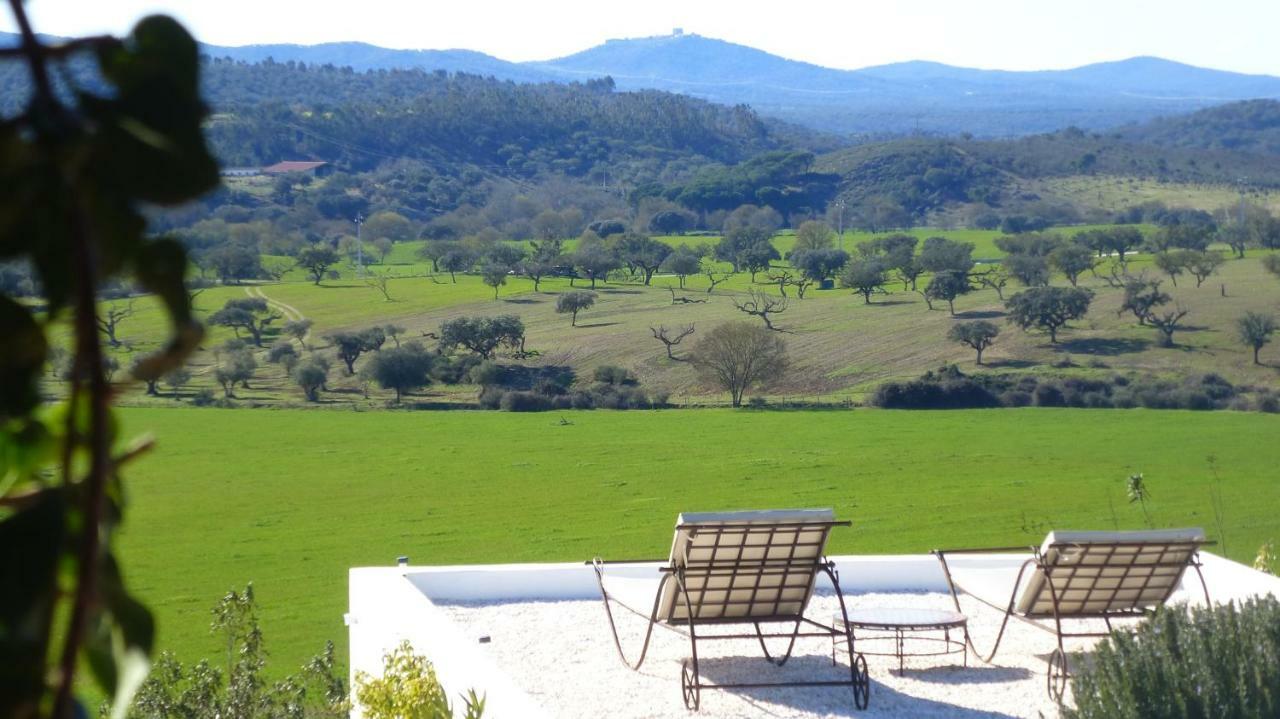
(710, 272)
(1167, 323)
(996, 278)
(760, 304)
(381, 282)
(663, 335)
(109, 321)
(739, 355)
(782, 278)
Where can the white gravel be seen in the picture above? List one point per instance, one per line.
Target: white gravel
(563, 654)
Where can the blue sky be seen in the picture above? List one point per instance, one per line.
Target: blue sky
(1006, 34)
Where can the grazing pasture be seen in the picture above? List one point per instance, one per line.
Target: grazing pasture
(289, 499)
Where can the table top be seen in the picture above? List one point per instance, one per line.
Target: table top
(903, 618)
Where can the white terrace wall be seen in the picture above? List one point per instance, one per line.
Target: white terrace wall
(391, 604)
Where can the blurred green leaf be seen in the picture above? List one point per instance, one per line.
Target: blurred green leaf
(23, 361)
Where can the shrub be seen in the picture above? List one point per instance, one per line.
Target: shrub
(281, 351)
(486, 373)
(1016, 398)
(524, 402)
(203, 397)
(409, 689)
(610, 374)
(1221, 661)
(490, 396)
(1269, 403)
(757, 402)
(1049, 395)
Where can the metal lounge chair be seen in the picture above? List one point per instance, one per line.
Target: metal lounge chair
(1085, 575)
(731, 568)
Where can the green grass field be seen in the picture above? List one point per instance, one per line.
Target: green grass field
(290, 499)
(840, 346)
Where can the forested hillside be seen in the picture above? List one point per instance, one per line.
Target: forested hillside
(1252, 126)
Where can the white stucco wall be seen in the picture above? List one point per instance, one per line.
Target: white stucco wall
(391, 604)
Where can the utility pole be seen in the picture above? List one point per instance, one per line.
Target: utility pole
(359, 245)
(839, 204)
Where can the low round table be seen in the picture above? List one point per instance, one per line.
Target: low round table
(908, 630)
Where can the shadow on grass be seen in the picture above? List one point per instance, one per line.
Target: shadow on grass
(598, 324)
(520, 301)
(979, 315)
(612, 291)
(887, 303)
(1009, 364)
(1108, 346)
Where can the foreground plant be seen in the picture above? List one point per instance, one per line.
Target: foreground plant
(76, 168)
(1222, 661)
(409, 689)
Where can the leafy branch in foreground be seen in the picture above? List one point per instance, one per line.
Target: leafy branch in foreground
(75, 170)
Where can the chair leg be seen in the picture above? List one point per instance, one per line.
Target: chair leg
(859, 677)
(1008, 612)
(690, 677)
(791, 645)
(648, 634)
(1056, 679)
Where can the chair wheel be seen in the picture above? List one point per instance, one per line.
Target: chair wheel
(1056, 681)
(861, 682)
(689, 686)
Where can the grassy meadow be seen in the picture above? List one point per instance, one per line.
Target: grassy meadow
(841, 347)
(290, 499)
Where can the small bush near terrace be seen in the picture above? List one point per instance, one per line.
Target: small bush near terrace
(234, 685)
(1222, 661)
(409, 689)
(949, 388)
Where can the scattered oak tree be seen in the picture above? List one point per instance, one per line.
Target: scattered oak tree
(494, 276)
(571, 303)
(979, 335)
(251, 314)
(1254, 330)
(866, 276)
(482, 335)
(947, 285)
(311, 376)
(737, 356)
(1073, 259)
(402, 369)
(1048, 308)
(316, 260)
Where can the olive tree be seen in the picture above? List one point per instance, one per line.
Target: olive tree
(316, 260)
(947, 285)
(482, 335)
(311, 376)
(402, 369)
(737, 356)
(571, 303)
(866, 276)
(1048, 308)
(251, 314)
(1254, 330)
(979, 335)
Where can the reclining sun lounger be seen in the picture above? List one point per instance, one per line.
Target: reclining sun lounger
(738, 568)
(1085, 575)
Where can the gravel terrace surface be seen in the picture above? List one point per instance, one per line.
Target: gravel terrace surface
(563, 654)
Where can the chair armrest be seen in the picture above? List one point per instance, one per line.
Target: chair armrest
(984, 550)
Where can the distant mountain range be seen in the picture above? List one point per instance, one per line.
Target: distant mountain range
(890, 99)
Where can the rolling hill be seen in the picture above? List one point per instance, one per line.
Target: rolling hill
(888, 99)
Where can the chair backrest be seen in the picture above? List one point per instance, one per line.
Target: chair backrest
(1097, 573)
(745, 566)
